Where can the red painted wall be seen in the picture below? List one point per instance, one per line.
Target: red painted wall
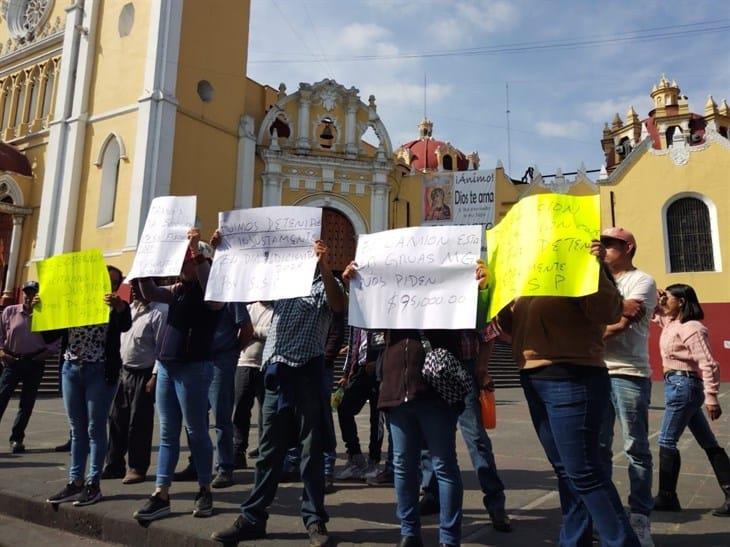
(717, 321)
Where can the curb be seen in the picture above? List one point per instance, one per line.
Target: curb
(104, 527)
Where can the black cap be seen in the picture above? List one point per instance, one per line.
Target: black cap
(31, 286)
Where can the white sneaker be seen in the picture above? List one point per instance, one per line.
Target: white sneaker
(642, 527)
(371, 470)
(354, 470)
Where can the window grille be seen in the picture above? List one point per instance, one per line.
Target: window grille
(690, 236)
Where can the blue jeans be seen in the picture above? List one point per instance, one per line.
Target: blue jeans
(683, 401)
(303, 421)
(182, 393)
(480, 451)
(630, 399)
(567, 416)
(88, 399)
(221, 396)
(432, 423)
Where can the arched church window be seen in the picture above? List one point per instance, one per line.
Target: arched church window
(109, 181)
(7, 95)
(327, 133)
(689, 235)
(20, 99)
(723, 131)
(669, 134)
(34, 84)
(48, 92)
(448, 163)
(282, 129)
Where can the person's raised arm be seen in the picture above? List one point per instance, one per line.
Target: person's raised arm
(202, 266)
(153, 293)
(332, 288)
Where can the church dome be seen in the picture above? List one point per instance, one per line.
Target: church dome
(429, 154)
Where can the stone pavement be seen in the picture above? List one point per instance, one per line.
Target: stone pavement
(359, 514)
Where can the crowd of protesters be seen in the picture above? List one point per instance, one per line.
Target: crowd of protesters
(584, 365)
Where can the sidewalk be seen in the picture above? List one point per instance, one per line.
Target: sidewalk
(359, 514)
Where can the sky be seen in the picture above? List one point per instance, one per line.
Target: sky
(570, 66)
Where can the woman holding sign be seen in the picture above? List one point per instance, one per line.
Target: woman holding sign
(89, 377)
(419, 416)
(557, 343)
(184, 374)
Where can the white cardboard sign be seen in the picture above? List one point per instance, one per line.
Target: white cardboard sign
(416, 278)
(164, 242)
(266, 253)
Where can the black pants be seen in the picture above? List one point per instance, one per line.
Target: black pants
(249, 387)
(362, 388)
(30, 373)
(131, 422)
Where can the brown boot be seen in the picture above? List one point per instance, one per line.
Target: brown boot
(133, 477)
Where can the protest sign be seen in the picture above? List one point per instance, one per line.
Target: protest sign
(164, 240)
(459, 198)
(542, 248)
(72, 289)
(265, 254)
(416, 278)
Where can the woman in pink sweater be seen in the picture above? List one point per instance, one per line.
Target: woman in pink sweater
(692, 379)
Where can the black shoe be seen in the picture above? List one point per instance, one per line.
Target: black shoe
(154, 509)
(329, 484)
(318, 535)
(65, 447)
(112, 473)
(290, 476)
(239, 461)
(241, 530)
(70, 492)
(410, 541)
(253, 453)
(428, 505)
(500, 521)
(203, 504)
(90, 495)
(223, 479)
(187, 474)
(667, 501)
(17, 447)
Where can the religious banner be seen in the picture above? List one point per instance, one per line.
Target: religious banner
(266, 253)
(460, 198)
(164, 242)
(72, 290)
(542, 248)
(416, 278)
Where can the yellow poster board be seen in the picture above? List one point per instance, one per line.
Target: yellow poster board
(72, 289)
(542, 248)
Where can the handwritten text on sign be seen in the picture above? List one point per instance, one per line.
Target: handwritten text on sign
(164, 240)
(265, 254)
(542, 248)
(72, 289)
(416, 278)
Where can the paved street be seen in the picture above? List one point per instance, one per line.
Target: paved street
(359, 514)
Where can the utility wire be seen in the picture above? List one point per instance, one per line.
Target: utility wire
(636, 36)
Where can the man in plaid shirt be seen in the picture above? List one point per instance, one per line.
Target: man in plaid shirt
(293, 408)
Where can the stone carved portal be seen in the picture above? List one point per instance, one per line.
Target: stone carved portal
(339, 235)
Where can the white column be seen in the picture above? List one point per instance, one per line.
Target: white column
(246, 163)
(152, 167)
(379, 202)
(15, 240)
(55, 158)
(273, 180)
(75, 127)
(305, 99)
(353, 101)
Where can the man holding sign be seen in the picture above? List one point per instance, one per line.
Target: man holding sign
(293, 362)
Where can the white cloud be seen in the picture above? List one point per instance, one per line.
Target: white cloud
(360, 37)
(488, 15)
(396, 94)
(605, 110)
(561, 129)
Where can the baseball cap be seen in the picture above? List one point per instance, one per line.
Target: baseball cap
(620, 234)
(31, 286)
